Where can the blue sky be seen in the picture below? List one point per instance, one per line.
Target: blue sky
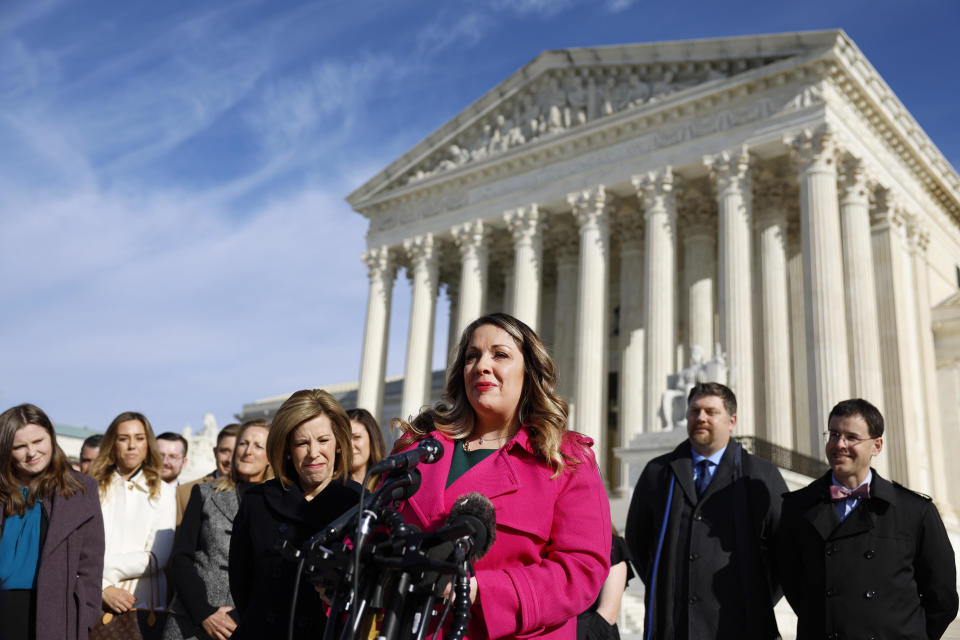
(172, 174)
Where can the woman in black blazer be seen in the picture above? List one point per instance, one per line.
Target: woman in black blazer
(309, 449)
(198, 565)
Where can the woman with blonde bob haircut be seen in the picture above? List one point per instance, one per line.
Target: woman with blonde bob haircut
(309, 450)
(139, 515)
(504, 434)
(51, 545)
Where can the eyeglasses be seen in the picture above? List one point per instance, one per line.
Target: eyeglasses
(852, 440)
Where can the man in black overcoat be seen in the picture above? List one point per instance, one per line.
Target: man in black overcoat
(707, 561)
(860, 556)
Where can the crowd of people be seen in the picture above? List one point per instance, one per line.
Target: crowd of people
(712, 531)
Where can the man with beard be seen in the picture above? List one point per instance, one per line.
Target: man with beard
(701, 527)
(861, 556)
(173, 452)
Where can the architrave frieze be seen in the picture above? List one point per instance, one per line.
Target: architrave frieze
(802, 83)
(671, 133)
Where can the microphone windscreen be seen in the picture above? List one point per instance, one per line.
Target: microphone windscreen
(433, 449)
(477, 507)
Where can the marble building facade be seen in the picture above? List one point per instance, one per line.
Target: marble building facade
(765, 198)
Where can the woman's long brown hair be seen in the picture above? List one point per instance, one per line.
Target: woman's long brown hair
(540, 410)
(106, 463)
(56, 480)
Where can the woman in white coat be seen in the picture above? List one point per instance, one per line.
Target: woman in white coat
(139, 514)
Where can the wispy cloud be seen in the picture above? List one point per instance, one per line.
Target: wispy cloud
(464, 30)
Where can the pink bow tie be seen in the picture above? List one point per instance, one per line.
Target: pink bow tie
(842, 493)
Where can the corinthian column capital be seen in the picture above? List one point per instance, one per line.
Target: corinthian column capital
(730, 170)
(379, 263)
(469, 236)
(421, 250)
(813, 150)
(852, 182)
(657, 190)
(918, 234)
(524, 223)
(591, 207)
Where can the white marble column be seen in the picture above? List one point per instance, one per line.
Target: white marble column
(565, 319)
(806, 434)
(731, 175)
(918, 235)
(699, 268)
(630, 230)
(861, 293)
(471, 239)
(381, 272)
(905, 442)
(591, 210)
(423, 308)
(525, 225)
(771, 224)
(823, 274)
(659, 287)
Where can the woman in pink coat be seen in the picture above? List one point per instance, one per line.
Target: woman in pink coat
(504, 434)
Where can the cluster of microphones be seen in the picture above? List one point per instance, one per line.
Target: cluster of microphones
(383, 577)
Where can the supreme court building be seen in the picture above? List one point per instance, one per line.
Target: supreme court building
(766, 200)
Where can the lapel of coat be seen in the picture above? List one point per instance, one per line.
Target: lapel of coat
(864, 517)
(428, 501)
(226, 502)
(64, 518)
(493, 477)
(821, 512)
(682, 466)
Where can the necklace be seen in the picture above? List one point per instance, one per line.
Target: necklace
(482, 440)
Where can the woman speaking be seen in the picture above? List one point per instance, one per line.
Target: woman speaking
(504, 434)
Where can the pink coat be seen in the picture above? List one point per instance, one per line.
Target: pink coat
(552, 551)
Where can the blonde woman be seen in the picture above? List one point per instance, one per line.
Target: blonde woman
(139, 514)
(368, 445)
(198, 566)
(309, 451)
(504, 433)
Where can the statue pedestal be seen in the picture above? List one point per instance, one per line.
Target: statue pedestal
(643, 448)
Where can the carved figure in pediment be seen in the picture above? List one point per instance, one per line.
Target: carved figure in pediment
(552, 103)
(530, 117)
(638, 91)
(577, 99)
(606, 95)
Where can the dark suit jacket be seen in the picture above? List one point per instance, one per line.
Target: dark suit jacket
(261, 580)
(887, 571)
(715, 573)
(70, 570)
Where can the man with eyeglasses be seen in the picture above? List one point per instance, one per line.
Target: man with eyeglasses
(860, 556)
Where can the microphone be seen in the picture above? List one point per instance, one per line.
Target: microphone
(428, 451)
(474, 511)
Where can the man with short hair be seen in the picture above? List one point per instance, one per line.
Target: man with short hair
(89, 451)
(173, 452)
(701, 526)
(223, 454)
(860, 556)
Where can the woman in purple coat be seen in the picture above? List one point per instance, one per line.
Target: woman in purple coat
(51, 534)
